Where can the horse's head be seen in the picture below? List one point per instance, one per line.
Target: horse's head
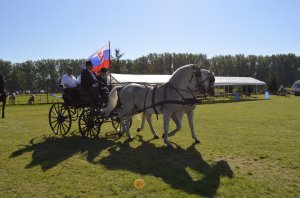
(205, 80)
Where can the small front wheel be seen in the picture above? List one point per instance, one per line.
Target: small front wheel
(89, 124)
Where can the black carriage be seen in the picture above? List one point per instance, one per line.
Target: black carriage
(62, 114)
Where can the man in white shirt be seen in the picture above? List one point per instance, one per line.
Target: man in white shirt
(68, 80)
(69, 83)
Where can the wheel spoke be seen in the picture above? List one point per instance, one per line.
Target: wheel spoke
(65, 125)
(94, 130)
(60, 129)
(63, 111)
(55, 126)
(54, 113)
(84, 128)
(54, 121)
(63, 129)
(56, 110)
(53, 117)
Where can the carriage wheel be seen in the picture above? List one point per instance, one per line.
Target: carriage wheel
(115, 121)
(89, 124)
(60, 119)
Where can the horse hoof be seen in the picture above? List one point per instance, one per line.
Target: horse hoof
(138, 130)
(120, 134)
(156, 137)
(130, 139)
(197, 141)
(169, 146)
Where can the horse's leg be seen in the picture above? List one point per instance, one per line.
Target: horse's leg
(127, 124)
(123, 126)
(3, 108)
(142, 125)
(149, 120)
(190, 115)
(177, 118)
(167, 117)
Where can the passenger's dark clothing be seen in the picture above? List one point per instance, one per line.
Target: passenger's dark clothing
(71, 95)
(90, 85)
(87, 79)
(102, 81)
(103, 88)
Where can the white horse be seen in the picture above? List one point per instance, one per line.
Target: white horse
(172, 99)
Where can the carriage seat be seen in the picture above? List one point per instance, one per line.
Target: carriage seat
(76, 97)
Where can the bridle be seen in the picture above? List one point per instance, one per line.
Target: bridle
(197, 74)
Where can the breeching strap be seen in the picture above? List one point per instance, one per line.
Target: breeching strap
(153, 100)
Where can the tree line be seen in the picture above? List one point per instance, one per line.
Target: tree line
(45, 74)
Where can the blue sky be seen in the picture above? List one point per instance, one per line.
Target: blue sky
(42, 29)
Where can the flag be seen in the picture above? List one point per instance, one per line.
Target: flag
(101, 58)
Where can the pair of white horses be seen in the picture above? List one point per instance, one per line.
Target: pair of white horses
(172, 99)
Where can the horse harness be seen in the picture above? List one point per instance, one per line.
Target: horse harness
(185, 101)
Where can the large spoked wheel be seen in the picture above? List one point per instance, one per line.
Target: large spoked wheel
(60, 119)
(89, 124)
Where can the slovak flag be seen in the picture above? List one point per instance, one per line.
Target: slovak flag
(101, 58)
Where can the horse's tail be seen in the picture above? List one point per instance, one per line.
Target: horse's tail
(112, 101)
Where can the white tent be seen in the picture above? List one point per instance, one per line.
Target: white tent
(224, 80)
(138, 78)
(160, 79)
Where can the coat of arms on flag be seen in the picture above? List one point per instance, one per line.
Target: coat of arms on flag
(101, 58)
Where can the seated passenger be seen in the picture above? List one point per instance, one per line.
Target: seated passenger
(69, 83)
(90, 84)
(103, 87)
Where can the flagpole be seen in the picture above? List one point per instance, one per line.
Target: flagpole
(109, 62)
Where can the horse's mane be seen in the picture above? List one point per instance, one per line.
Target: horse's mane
(178, 73)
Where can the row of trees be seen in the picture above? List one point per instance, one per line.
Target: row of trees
(45, 74)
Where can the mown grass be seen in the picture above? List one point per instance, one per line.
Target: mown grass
(247, 149)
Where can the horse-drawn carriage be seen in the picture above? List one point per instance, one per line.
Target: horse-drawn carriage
(63, 114)
(172, 99)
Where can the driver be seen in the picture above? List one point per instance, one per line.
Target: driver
(90, 83)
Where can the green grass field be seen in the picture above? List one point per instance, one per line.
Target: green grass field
(247, 149)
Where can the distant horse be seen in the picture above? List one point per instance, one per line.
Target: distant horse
(172, 99)
(12, 98)
(3, 94)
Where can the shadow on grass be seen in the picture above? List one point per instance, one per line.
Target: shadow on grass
(52, 150)
(171, 165)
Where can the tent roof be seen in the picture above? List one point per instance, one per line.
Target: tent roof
(159, 79)
(224, 80)
(139, 78)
